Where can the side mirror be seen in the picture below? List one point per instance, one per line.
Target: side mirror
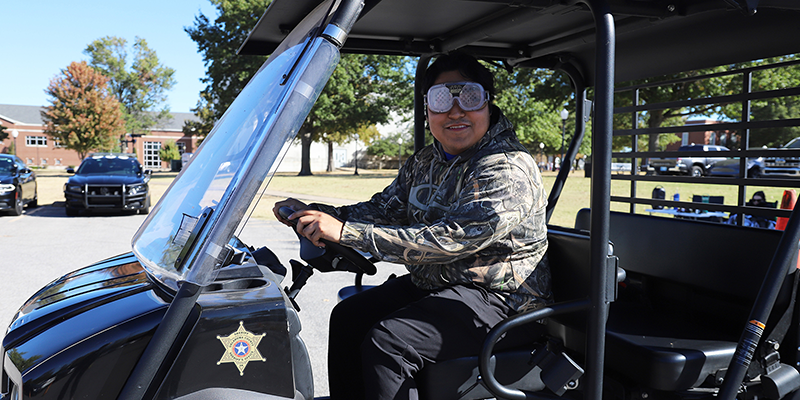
(148, 173)
(70, 170)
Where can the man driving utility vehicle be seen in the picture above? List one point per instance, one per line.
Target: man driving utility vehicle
(466, 215)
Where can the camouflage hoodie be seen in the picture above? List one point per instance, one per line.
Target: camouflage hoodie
(477, 218)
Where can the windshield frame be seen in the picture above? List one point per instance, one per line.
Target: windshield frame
(186, 237)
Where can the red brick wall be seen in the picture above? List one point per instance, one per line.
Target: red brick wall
(51, 156)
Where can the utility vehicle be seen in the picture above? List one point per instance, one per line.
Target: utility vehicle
(194, 313)
(108, 181)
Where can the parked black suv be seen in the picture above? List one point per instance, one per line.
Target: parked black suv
(108, 181)
(17, 185)
(694, 166)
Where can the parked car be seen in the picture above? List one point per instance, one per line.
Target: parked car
(110, 181)
(18, 185)
(694, 166)
(730, 167)
(787, 167)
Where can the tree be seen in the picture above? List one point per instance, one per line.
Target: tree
(3, 133)
(169, 151)
(83, 116)
(776, 108)
(362, 91)
(141, 87)
(226, 72)
(202, 127)
(532, 99)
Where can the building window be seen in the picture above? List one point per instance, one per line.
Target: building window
(58, 161)
(57, 143)
(36, 141)
(43, 161)
(151, 157)
(181, 147)
(29, 161)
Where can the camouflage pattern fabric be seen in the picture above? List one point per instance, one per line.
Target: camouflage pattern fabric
(477, 218)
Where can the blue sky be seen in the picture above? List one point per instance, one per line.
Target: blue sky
(40, 38)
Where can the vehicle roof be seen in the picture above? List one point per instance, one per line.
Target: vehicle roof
(654, 37)
(100, 154)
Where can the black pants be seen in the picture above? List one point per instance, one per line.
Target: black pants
(381, 338)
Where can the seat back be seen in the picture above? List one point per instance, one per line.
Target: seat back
(568, 255)
(689, 290)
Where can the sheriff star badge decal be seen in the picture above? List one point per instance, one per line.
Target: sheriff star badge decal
(241, 347)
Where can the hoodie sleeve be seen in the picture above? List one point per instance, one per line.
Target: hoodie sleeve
(497, 197)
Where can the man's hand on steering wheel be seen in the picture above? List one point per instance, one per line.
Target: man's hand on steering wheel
(317, 226)
(293, 204)
(312, 224)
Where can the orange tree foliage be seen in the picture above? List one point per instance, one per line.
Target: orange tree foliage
(83, 116)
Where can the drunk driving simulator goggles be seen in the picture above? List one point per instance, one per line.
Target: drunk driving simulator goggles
(470, 96)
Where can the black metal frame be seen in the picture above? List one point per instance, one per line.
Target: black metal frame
(746, 96)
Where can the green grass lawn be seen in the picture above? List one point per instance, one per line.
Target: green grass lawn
(574, 196)
(343, 184)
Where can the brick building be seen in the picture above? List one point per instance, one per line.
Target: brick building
(722, 138)
(36, 148)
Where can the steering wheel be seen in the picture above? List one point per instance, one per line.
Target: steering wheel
(340, 257)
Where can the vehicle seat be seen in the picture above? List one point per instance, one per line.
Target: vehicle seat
(515, 368)
(682, 308)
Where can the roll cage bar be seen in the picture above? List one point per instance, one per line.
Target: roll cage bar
(597, 43)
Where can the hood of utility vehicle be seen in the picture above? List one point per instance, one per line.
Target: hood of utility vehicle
(76, 293)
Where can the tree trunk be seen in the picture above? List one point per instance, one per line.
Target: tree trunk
(305, 154)
(655, 121)
(330, 157)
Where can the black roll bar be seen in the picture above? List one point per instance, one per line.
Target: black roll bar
(754, 328)
(600, 295)
(603, 269)
(484, 365)
(419, 104)
(582, 111)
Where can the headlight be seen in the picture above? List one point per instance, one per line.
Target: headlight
(137, 189)
(74, 188)
(5, 187)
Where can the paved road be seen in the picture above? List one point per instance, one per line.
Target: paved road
(43, 244)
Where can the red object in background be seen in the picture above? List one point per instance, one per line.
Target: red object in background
(787, 203)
